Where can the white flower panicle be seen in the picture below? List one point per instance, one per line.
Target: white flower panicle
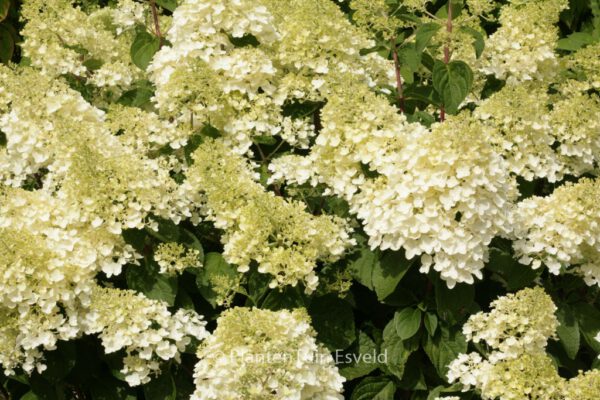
(282, 238)
(433, 187)
(584, 386)
(259, 354)
(35, 113)
(243, 91)
(517, 323)
(24, 336)
(49, 259)
(89, 183)
(145, 131)
(517, 367)
(574, 120)
(530, 376)
(144, 328)
(55, 136)
(562, 231)
(522, 49)
(62, 39)
(68, 253)
(446, 199)
(521, 115)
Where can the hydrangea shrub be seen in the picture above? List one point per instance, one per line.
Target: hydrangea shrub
(300, 199)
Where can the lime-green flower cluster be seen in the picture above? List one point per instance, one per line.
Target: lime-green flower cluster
(174, 258)
(62, 39)
(280, 236)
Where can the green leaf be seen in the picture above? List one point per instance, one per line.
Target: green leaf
(421, 94)
(409, 61)
(437, 391)
(161, 388)
(45, 390)
(29, 396)
(136, 238)
(395, 352)
(146, 279)
(362, 268)
(214, 265)
(457, 6)
(479, 40)
(4, 7)
(568, 331)
(287, 298)
(185, 386)
(258, 285)
(374, 388)
(139, 97)
(7, 44)
(431, 323)
(167, 231)
(170, 5)
(443, 348)
(143, 48)
(453, 81)
(514, 275)
(110, 389)
(423, 35)
(453, 304)
(333, 320)
(413, 377)
(192, 242)
(575, 41)
(379, 273)
(421, 117)
(360, 367)
(588, 319)
(407, 322)
(60, 362)
(265, 139)
(93, 64)
(409, 57)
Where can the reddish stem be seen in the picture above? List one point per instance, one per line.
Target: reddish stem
(156, 22)
(447, 51)
(399, 88)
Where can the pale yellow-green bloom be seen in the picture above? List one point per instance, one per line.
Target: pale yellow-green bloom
(280, 236)
(174, 258)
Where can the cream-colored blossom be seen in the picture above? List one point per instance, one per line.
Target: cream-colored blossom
(561, 231)
(522, 49)
(259, 354)
(60, 39)
(576, 126)
(517, 366)
(242, 91)
(144, 328)
(517, 324)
